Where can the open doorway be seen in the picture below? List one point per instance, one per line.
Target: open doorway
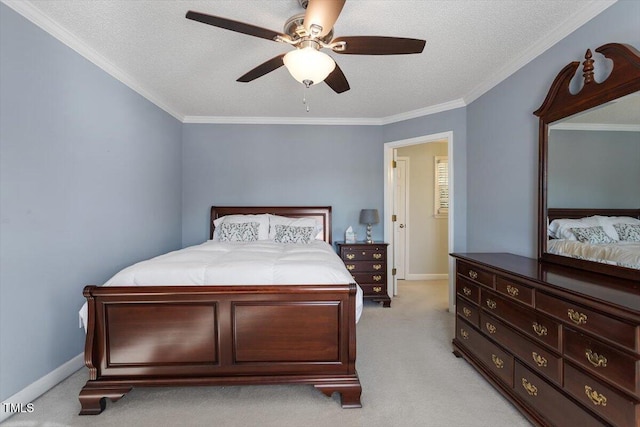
(397, 195)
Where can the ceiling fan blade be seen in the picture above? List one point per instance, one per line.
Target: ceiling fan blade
(262, 69)
(323, 13)
(378, 45)
(239, 27)
(337, 81)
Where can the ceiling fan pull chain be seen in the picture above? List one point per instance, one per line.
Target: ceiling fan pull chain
(304, 97)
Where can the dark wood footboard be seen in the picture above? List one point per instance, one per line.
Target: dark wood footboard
(220, 335)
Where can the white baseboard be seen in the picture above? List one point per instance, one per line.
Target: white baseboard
(44, 384)
(426, 276)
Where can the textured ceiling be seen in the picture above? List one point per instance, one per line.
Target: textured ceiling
(190, 69)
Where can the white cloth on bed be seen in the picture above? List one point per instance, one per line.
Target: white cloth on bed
(262, 262)
(624, 254)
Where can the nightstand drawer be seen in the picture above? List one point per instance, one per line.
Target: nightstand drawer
(373, 290)
(361, 253)
(378, 279)
(369, 266)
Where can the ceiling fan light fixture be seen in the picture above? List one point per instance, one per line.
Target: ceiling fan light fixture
(309, 65)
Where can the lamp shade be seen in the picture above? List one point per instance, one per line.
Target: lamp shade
(369, 216)
(309, 64)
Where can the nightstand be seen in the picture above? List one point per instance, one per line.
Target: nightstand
(367, 263)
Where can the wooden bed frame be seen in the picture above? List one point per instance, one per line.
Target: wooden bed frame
(222, 335)
(572, 213)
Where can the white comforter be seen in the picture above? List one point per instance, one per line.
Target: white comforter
(624, 254)
(257, 263)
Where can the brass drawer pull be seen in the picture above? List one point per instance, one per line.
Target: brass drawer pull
(491, 328)
(466, 312)
(377, 288)
(351, 256)
(530, 388)
(539, 329)
(351, 267)
(464, 334)
(596, 359)
(577, 317)
(512, 290)
(377, 278)
(497, 361)
(377, 266)
(595, 397)
(491, 304)
(473, 274)
(466, 291)
(377, 256)
(540, 361)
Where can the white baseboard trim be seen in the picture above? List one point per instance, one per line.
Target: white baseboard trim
(44, 384)
(426, 276)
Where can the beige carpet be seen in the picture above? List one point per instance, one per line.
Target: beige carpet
(409, 378)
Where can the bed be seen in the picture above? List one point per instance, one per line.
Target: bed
(181, 334)
(595, 235)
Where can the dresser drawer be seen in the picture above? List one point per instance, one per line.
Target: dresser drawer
(468, 290)
(515, 290)
(615, 366)
(528, 321)
(377, 279)
(468, 311)
(611, 404)
(588, 320)
(550, 403)
(538, 358)
(369, 266)
(475, 274)
(493, 357)
(360, 253)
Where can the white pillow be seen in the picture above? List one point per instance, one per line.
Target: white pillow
(607, 224)
(561, 228)
(293, 222)
(261, 219)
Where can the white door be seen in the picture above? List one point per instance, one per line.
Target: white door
(400, 225)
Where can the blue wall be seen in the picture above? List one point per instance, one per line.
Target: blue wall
(90, 182)
(502, 146)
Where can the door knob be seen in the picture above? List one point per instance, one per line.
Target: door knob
(401, 225)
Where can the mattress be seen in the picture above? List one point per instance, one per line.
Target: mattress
(262, 262)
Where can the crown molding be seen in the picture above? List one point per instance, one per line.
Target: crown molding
(607, 127)
(36, 16)
(438, 108)
(563, 30)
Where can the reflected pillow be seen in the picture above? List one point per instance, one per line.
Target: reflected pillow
(628, 232)
(561, 228)
(238, 232)
(608, 222)
(292, 234)
(594, 235)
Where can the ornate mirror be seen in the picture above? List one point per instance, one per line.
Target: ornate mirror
(589, 168)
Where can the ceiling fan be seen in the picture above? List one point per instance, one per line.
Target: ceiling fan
(310, 32)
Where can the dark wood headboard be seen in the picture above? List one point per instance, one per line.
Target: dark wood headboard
(322, 214)
(571, 213)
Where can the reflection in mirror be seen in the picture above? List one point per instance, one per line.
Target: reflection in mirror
(594, 171)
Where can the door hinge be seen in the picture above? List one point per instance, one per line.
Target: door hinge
(394, 218)
(394, 164)
(393, 271)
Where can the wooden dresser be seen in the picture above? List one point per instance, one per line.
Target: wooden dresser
(562, 347)
(367, 263)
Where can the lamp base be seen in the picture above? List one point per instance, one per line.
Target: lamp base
(369, 239)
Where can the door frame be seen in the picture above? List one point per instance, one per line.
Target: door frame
(406, 213)
(389, 148)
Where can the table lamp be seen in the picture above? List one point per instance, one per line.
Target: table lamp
(369, 217)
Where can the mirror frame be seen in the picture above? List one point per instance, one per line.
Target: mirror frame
(561, 103)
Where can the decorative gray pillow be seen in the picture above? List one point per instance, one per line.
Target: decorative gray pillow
(594, 235)
(238, 232)
(628, 232)
(290, 234)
